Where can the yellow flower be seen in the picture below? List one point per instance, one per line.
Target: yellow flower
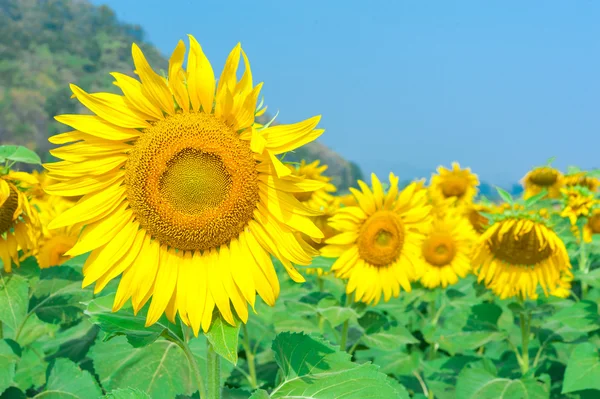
(516, 254)
(581, 179)
(563, 289)
(577, 202)
(444, 255)
(542, 177)
(318, 199)
(456, 183)
(54, 243)
(19, 222)
(347, 200)
(592, 226)
(476, 219)
(379, 240)
(182, 194)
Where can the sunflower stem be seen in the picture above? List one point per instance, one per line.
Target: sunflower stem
(583, 265)
(213, 363)
(249, 357)
(525, 321)
(345, 327)
(194, 366)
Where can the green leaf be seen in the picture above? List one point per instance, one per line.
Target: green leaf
(478, 383)
(17, 153)
(160, 369)
(9, 357)
(335, 314)
(14, 299)
(67, 381)
(505, 195)
(310, 366)
(391, 340)
(129, 393)
(571, 323)
(31, 370)
(224, 339)
(260, 394)
(583, 369)
(125, 322)
(529, 202)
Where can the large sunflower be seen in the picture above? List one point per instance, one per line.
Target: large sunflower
(455, 183)
(543, 177)
(445, 253)
(379, 240)
(518, 253)
(182, 194)
(19, 222)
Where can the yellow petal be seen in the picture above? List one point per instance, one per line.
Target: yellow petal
(176, 77)
(85, 185)
(4, 191)
(153, 85)
(283, 138)
(133, 91)
(201, 78)
(166, 280)
(97, 127)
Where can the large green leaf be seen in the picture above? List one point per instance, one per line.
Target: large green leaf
(160, 369)
(125, 322)
(311, 368)
(571, 323)
(224, 339)
(14, 299)
(583, 369)
(392, 339)
(129, 393)
(17, 153)
(31, 370)
(9, 357)
(67, 381)
(478, 383)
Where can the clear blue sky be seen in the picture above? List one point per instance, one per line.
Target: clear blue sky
(404, 85)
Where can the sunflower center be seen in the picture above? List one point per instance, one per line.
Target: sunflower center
(594, 223)
(191, 182)
(381, 238)
(517, 247)
(454, 186)
(7, 210)
(439, 249)
(544, 177)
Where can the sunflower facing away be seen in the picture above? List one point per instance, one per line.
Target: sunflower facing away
(445, 253)
(182, 194)
(379, 240)
(518, 253)
(581, 179)
(543, 177)
(592, 227)
(19, 222)
(456, 183)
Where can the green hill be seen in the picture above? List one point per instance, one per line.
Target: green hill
(47, 44)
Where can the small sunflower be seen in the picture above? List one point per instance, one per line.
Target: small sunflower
(577, 202)
(516, 254)
(379, 240)
(543, 177)
(456, 183)
(55, 243)
(183, 195)
(446, 250)
(479, 222)
(581, 179)
(592, 227)
(317, 199)
(19, 222)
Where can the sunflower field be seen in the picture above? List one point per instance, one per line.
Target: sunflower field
(131, 265)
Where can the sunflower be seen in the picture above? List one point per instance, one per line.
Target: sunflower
(444, 255)
(577, 202)
(456, 183)
(543, 177)
(592, 226)
(379, 240)
(318, 199)
(473, 213)
(182, 194)
(19, 222)
(517, 253)
(54, 243)
(581, 179)
(563, 289)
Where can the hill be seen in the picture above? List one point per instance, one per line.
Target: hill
(47, 44)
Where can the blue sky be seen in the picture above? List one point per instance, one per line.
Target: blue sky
(405, 86)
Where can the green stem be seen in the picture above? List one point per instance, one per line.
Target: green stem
(213, 363)
(344, 337)
(525, 320)
(249, 357)
(422, 383)
(320, 283)
(194, 366)
(583, 265)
